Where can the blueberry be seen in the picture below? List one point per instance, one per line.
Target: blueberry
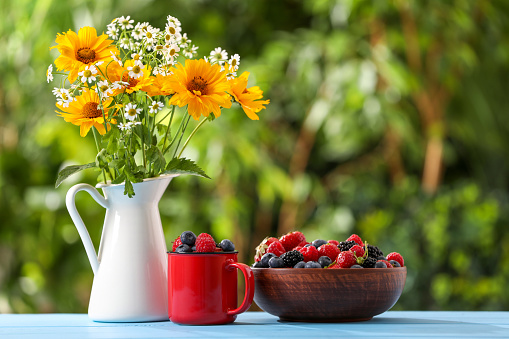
(276, 262)
(356, 266)
(193, 248)
(318, 242)
(258, 264)
(300, 264)
(183, 248)
(380, 264)
(324, 261)
(227, 246)
(307, 245)
(395, 263)
(381, 258)
(265, 259)
(312, 264)
(188, 238)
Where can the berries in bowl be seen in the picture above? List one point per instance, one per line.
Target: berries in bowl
(306, 284)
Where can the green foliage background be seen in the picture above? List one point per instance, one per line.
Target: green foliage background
(387, 119)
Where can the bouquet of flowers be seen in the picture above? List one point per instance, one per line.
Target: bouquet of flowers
(125, 86)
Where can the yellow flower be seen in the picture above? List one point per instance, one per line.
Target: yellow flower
(246, 96)
(119, 73)
(201, 86)
(156, 88)
(82, 49)
(85, 112)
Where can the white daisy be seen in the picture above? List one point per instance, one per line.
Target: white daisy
(112, 31)
(137, 56)
(156, 107)
(150, 35)
(231, 75)
(88, 74)
(49, 73)
(234, 62)
(190, 51)
(135, 71)
(131, 112)
(103, 88)
(116, 58)
(137, 32)
(172, 29)
(184, 40)
(125, 23)
(125, 43)
(171, 52)
(172, 20)
(218, 55)
(63, 96)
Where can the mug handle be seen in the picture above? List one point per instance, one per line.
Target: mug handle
(250, 287)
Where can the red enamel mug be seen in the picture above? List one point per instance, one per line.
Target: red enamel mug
(202, 288)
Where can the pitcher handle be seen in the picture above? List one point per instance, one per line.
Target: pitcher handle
(250, 288)
(78, 222)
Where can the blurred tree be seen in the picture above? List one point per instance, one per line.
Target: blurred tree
(386, 119)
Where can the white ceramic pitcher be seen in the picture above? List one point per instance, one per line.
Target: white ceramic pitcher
(130, 270)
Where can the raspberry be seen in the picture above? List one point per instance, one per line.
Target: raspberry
(176, 243)
(387, 263)
(277, 248)
(397, 257)
(310, 253)
(334, 242)
(205, 243)
(356, 238)
(358, 250)
(292, 239)
(329, 250)
(262, 248)
(346, 259)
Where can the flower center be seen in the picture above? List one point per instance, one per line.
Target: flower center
(167, 37)
(103, 88)
(87, 73)
(234, 62)
(90, 110)
(198, 84)
(137, 57)
(125, 23)
(136, 69)
(85, 55)
(172, 52)
(149, 35)
(132, 82)
(172, 30)
(132, 112)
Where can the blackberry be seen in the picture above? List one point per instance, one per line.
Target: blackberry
(291, 258)
(346, 245)
(369, 262)
(374, 252)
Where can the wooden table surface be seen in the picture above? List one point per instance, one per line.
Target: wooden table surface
(392, 324)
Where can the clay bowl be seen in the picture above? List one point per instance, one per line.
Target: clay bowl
(323, 295)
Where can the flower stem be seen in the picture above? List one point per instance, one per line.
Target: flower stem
(169, 127)
(98, 150)
(191, 135)
(182, 134)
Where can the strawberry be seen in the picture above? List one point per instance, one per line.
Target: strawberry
(358, 250)
(310, 253)
(277, 248)
(205, 243)
(356, 238)
(396, 256)
(328, 250)
(334, 265)
(176, 243)
(262, 248)
(334, 242)
(346, 259)
(292, 239)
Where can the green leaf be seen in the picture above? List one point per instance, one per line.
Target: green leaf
(70, 170)
(112, 138)
(120, 179)
(117, 164)
(129, 189)
(156, 158)
(184, 166)
(102, 159)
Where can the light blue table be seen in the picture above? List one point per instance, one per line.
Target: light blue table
(391, 324)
